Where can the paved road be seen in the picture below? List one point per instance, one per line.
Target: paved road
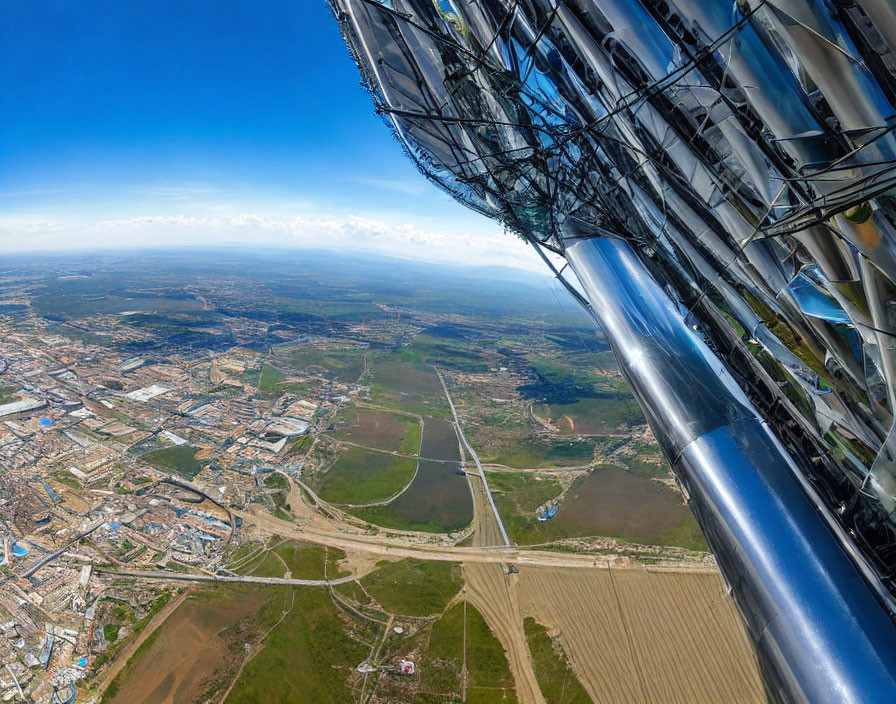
(53, 555)
(378, 545)
(463, 439)
(244, 579)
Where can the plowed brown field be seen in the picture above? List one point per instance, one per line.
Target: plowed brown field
(640, 636)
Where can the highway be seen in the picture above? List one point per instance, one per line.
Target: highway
(242, 579)
(463, 439)
(379, 545)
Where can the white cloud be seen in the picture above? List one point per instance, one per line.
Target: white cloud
(343, 233)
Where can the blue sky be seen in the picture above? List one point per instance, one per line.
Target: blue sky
(145, 121)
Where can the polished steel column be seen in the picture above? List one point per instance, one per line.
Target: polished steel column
(820, 632)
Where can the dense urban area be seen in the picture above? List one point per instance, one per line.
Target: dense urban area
(249, 476)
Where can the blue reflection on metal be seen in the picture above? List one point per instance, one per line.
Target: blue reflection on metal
(815, 302)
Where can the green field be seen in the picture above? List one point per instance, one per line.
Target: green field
(306, 659)
(598, 368)
(361, 477)
(438, 500)
(177, 458)
(309, 561)
(434, 406)
(405, 374)
(406, 516)
(517, 496)
(647, 461)
(270, 377)
(274, 380)
(555, 369)
(593, 416)
(440, 667)
(609, 502)
(307, 646)
(346, 365)
(302, 560)
(276, 481)
(265, 565)
(400, 379)
(557, 681)
(380, 430)
(491, 696)
(427, 350)
(298, 446)
(414, 587)
(411, 443)
(440, 661)
(531, 453)
(486, 662)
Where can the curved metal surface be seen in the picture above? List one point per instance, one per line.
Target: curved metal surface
(677, 380)
(820, 633)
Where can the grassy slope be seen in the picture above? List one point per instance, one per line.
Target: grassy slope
(517, 497)
(411, 443)
(413, 587)
(270, 377)
(532, 453)
(486, 660)
(303, 560)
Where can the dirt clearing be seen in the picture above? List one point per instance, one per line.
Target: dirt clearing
(190, 650)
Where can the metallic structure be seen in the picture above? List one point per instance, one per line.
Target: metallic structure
(719, 177)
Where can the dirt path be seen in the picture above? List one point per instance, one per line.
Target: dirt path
(259, 646)
(494, 594)
(121, 660)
